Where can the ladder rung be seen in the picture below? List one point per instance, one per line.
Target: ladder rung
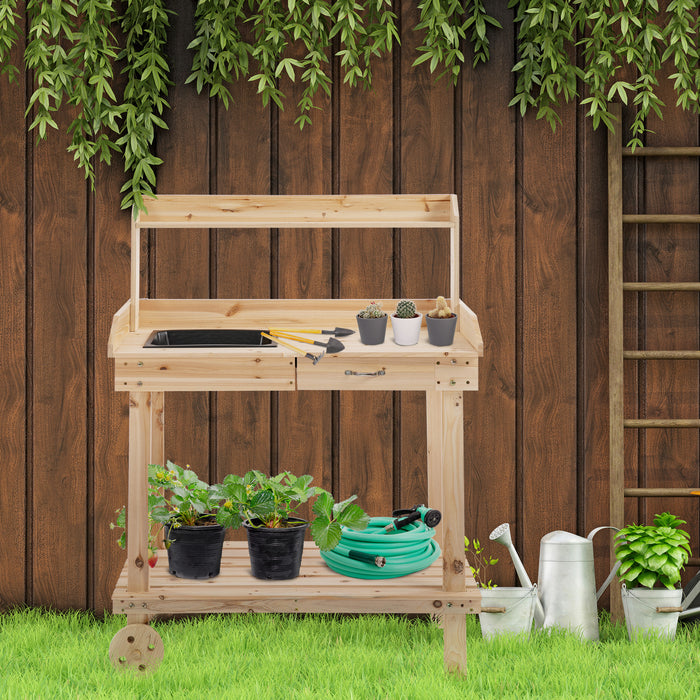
(661, 423)
(662, 151)
(661, 218)
(661, 286)
(642, 493)
(661, 354)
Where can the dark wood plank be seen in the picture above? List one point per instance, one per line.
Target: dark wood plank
(593, 466)
(182, 256)
(548, 339)
(243, 270)
(670, 253)
(427, 165)
(59, 369)
(111, 268)
(13, 337)
(365, 269)
(303, 263)
(488, 286)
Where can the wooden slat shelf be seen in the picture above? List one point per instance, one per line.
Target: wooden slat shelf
(317, 589)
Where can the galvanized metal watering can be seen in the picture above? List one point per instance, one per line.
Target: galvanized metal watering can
(566, 581)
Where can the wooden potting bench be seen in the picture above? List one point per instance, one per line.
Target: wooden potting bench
(446, 587)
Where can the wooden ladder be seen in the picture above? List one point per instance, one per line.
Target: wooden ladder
(617, 354)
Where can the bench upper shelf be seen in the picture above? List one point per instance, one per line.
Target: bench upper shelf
(300, 211)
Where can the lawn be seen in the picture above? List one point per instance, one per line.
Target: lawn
(64, 655)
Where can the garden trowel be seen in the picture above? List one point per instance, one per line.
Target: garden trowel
(332, 346)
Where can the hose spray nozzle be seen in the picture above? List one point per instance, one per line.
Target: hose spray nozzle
(429, 516)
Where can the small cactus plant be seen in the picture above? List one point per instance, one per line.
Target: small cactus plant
(405, 309)
(373, 310)
(442, 310)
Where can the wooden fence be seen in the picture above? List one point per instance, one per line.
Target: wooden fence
(534, 218)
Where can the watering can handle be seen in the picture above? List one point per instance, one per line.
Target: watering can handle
(612, 573)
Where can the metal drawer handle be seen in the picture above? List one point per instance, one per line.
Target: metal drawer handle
(378, 373)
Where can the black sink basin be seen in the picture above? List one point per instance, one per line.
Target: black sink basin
(208, 338)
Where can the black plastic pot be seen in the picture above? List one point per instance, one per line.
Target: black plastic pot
(372, 330)
(275, 552)
(195, 551)
(441, 331)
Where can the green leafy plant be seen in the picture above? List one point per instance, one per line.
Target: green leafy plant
(274, 500)
(372, 310)
(479, 562)
(75, 50)
(177, 496)
(155, 535)
(405, 309)
(653, 554)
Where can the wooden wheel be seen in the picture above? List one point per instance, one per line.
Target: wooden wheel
(138, 647)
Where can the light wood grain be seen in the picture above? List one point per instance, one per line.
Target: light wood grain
(297, 211)
(316, 589)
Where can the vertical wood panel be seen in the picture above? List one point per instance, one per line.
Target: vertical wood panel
(110, 408)
(243, 430)
(548, 250)
(427, 152)
(592, 295)
(182, 256)
(488, 287)
(304, 265)
(13, 338)
(670, 254)
(365, 269)
(59, 375)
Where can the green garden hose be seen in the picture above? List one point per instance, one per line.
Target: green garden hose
(375, 553)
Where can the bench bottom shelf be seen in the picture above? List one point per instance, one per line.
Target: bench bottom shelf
(316, 589)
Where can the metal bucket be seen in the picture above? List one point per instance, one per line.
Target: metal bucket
(519, 605)
(641, 616)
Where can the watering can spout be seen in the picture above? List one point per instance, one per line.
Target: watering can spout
(502, 535)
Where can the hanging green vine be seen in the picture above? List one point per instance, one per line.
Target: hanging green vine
(595, 51)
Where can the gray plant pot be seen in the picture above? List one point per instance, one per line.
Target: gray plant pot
(372, 330)
(641, 617)
(441, 331)
(519, 611)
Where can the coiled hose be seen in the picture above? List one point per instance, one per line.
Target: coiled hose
(410, 549)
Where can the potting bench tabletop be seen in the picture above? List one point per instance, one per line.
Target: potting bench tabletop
(148, 372)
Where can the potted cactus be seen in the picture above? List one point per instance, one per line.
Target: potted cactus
(405, 322)
(371, 322)
(441, 322)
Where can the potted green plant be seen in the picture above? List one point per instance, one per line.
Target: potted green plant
(371, 322)
(266, 506)
(651, 560)
(186, 506)
(504, 609)
(405, 322)
(441, 323)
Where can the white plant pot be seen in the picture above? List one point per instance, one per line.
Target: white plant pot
(519, 604)
(406, 330)
(640, 611)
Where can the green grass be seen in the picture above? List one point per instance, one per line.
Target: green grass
(258, 657)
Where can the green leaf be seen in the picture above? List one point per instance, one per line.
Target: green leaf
(326, 534)
(354, 517)
(324, 505)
